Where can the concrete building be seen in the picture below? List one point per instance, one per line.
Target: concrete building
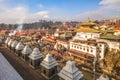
(113, 45)
(63, 43)
(35, 58)
(70, 72)
(95, 49)
(26, 52)
(86, 36)
(49, 67)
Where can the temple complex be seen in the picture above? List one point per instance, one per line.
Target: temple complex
(84, 52)
(84, 45)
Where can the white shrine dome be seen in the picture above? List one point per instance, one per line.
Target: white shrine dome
(27, 50)
(49, 62)
(7, 40)
(70, 72)
(14, 44)
(19, 46)
(36, 54)
(10, 42)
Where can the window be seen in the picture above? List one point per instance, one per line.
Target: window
(80, 47)
(53, 72)
(31, 62)
(91, 50)
(44, 71)
(87, 49)
(23, 56)
(37, 63)
(100, 45)
(83, 48)
(74, 46)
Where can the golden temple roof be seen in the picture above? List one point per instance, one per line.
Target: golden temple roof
(86, 30)
(88, 23)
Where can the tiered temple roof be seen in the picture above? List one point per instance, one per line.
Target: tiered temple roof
(86, 30)
(70, 72)
(36, 54)
(27, 50)
(14, 44)
(88, 26)
(19, 46)
(49, 62)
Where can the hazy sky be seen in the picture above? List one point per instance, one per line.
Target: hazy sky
(19, 11)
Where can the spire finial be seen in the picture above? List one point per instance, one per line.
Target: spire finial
(88, 18)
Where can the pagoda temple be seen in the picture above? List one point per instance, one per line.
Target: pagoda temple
(88, 23)
(87, 31)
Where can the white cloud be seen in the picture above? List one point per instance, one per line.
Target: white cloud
(109, 2)
(43, 14)
(2, 0)
(13, 15)
(40, 6)
(20, 14)
(109, 9)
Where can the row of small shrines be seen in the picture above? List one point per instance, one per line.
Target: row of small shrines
(47, 64)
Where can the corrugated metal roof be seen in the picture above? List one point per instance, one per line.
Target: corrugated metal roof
(7, 72)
